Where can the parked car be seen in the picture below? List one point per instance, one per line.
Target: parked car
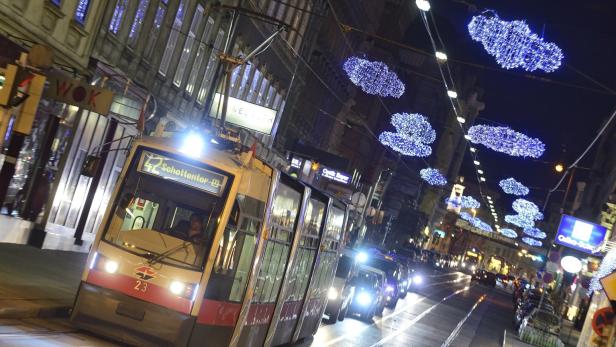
(368, 299)
(342, 289)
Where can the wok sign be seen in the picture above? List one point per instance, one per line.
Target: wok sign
(74, 92)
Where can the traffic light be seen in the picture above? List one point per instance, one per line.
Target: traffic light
(16, 78)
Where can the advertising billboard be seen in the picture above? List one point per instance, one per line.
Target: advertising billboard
(245, 114)
(580, 234)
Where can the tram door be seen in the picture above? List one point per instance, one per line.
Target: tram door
(323, 275)
(284, 215)
(296, 283)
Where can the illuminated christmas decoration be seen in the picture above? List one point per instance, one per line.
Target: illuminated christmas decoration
(511, 186)
(414, 134)
(525, 207)
(374, 77)
(469, 202)
(506, 140)
(607, 266)
(455, 202)
(466, 216)
(478, 223)
(535, 232)
(519, 220)
(510, 233)
(532, 242)
(513, 44)
(433, 177)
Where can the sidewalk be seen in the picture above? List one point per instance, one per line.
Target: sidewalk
(38, 283)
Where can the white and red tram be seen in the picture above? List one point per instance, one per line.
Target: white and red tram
(208, 248)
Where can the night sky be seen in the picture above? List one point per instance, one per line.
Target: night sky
(564, 118)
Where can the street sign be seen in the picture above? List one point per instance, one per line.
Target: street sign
(603, 317)
(74, 92)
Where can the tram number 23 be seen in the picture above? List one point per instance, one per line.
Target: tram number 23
(141, 286)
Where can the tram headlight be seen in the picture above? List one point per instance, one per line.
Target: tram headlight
(111, 266)
(361, 257)
(332, 293)
(192, 144)
(177, 287)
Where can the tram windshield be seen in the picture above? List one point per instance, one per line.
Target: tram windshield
(167, 210)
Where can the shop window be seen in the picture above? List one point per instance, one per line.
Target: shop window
(118, 16)
(135, 27)
(155, 30)
(212, 64)
(173, 38)
(194, 71)
(81, 11)
(188, 46)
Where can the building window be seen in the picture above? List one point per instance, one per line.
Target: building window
(262, 91)
(254, 86)
(56, 2)
(246, 75)
(173, 39)
(270, 96)
(188, 45)
(153, 34)
(212, 64)
(135, 28)
(196, 67)
(81, 12)
(118, 16)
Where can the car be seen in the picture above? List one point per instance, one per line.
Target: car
(392, 271)
(368, 299)
(485, 277)
(341, 290)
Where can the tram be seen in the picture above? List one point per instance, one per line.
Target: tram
(205, 245)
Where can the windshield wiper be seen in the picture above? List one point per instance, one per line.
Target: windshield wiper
(168, 253)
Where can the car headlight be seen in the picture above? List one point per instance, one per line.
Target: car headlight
(417, 279)
(389, 288)
(404, 283)
(332, 293)
(473, 268)
(463, 264)
(364, 298)
(111, 266)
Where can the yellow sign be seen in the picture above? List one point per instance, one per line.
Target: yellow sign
(609, 285)
(74, 92)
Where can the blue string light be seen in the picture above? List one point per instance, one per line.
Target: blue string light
(466, 216)
(526, 208)
(513, 44)
(476, 222)
(520, 221)
(506, 140)
(512, 186)
(412, 136)
(463, 202)
(535, 232)
(532, 242)
(510, 233)
(433, 177)
(374, 77)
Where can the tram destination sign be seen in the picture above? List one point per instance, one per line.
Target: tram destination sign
(186, 174)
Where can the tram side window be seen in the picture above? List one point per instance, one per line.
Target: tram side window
(235, 250)
(280, 232)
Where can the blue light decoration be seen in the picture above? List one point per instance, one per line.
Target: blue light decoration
(476, 222)
(526, 208)
(532, 242)
(510, 233)
(535, 232)
(374, 77)
(513, 44)
(466, 216)
(506, 140)
(433, 177)
(412, 137)
(520, 221)
(463, 201)
(513, 187)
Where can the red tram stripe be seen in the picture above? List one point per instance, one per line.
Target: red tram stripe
(127, 285)
(220, 313)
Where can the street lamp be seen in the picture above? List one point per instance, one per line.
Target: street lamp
(559, 167)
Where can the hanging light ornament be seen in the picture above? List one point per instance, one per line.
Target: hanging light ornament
(520, 221)
(513, 44)
(525, 207)
(512, 186)
(506, 140)
(478, 223)
(532, 242)
(535, 232)
(510, 233)
(412, 137)
(466, 216)
(433, 177)
(469, 202)
(374, 77)
(607, 266)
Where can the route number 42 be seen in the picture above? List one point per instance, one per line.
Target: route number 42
(141, 286)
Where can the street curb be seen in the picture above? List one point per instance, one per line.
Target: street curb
(34, 312)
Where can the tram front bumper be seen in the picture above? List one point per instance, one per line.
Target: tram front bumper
(129, 320)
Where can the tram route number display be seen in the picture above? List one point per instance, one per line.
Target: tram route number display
(186, 174)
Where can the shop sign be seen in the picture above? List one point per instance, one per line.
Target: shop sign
(179, 172)
(296, 163)
(580, 234)
(74, 92)
(609, 285)
(245, 114)
(335, 175)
